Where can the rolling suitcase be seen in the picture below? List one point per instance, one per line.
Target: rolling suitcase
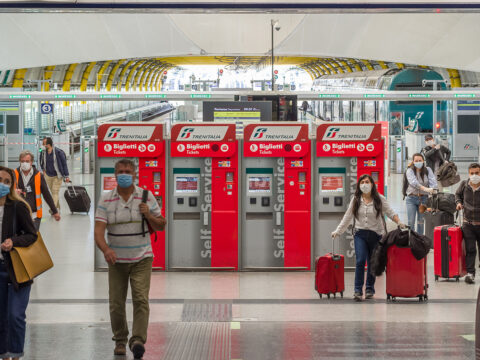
(406, 276)
(329, 274)
(434, 219)
(449, 253)
(77, 199)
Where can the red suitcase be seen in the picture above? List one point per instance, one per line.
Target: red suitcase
(449, 252)
(329, 274)
(406, 276)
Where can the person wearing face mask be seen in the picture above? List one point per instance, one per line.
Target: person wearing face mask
(53, 163)
(367, 210)
(467, 198)
(128, 253)
(31, 185)
(421, 182)
(14, 297)
(435, 154)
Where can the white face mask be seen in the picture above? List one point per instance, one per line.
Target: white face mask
(366, 188)
(430, 142)
(475, 179)
(25, 166)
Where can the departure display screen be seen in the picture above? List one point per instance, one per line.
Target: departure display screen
(258, 184)
(186, 184)
(332, 183)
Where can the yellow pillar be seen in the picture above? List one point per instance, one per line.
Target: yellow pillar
(19, 78)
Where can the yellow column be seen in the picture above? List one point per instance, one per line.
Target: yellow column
(18, 78)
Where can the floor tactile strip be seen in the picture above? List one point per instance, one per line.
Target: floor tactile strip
(206, 311)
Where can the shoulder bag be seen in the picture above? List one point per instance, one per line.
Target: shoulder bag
(29, 262)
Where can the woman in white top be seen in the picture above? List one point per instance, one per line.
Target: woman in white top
(367, 209)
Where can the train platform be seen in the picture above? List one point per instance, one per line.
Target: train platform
(239, 315)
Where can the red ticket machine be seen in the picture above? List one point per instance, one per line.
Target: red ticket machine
(145, 144)
(203, 232)
(276, 213)
(344, 152)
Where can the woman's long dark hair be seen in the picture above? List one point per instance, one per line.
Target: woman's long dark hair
(13, 194)
(377, 202)
(423, 170)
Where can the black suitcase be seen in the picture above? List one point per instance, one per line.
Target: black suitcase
(436, 218)
(77, 199)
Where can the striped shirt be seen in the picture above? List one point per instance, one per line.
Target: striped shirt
(124, 224)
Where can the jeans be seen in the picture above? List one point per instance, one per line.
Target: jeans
(13, 305)
(471, 236)
(365, 242)
(139, 274)
(413, 202)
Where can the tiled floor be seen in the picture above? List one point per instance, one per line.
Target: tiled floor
(266, 315)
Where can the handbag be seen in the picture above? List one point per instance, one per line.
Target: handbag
(29, 262)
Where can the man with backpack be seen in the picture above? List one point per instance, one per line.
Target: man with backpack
(467, 198)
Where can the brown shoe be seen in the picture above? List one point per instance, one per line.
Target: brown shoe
(120, 350)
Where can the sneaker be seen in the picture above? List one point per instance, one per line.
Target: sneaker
(369, 294)
(470, 278)
(357, 296)
(137, 349)
(120, 350)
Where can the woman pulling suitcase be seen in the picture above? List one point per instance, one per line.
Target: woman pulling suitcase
(367, 209)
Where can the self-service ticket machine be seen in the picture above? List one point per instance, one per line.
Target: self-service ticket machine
(344, 152)
(143, 143)
(276, 197)
(203, 215)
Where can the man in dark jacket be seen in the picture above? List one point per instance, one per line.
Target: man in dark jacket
(31, 185)
(467, 198)
(54, 166)
(435, 154)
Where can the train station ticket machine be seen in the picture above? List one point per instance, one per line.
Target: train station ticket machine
(144, 143)
(203, 178)
(344, 152)
(276, 197)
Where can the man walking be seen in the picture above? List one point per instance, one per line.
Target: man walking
(128, 253)
(31, 185)
(53, 163)
(467, 198)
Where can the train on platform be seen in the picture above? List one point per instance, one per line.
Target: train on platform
(416, 114)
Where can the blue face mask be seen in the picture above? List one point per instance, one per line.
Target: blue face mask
(418, 165)
(124, 180)
(4, 190)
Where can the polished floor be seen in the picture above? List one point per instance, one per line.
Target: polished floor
(267, 315)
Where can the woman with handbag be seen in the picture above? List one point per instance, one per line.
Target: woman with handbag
(18, 230)
(367, 210)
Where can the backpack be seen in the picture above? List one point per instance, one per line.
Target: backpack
(443, 202)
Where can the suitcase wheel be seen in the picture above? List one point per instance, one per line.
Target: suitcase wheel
(320, 295)
(341, 294)
(389, 298)
(334, 295)
(457, 278)
(436, 277)
(420, 298)
(328, 296)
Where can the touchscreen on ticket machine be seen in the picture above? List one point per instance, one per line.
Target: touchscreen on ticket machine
(344, 152)
(144, 144)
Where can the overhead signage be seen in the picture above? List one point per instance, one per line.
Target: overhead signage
(464, 95)
(46, 109)
(357, 133)
(229, 111)
(110, 96)
(419, 95)
(328, 95)
(61, 125)
(200, 96)
(373, 96)
(155, 96)
(20, 96)
(65, 96)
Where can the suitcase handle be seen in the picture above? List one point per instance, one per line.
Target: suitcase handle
(70, 188)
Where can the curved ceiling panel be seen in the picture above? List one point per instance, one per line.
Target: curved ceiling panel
(444, 40)
(30, 40)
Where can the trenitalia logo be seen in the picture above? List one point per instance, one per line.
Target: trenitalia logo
(332, 132)
(259, 133)
(202, 133)
(275, 133)
(348, 132)
(186, 132)
(129, 133)
(112, 134)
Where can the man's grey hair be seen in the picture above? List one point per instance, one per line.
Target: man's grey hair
(126, 162)
(25, 153)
